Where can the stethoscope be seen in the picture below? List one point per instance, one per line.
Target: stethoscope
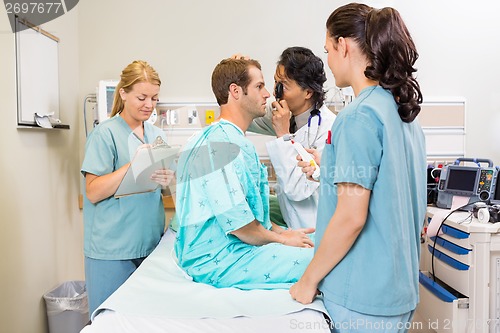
(314, 113)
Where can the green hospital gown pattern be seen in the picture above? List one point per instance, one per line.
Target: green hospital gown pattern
(221, 187)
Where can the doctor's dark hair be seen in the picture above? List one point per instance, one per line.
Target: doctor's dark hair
(305, 68)
(135, 72)
(230, 71)
(385, 40)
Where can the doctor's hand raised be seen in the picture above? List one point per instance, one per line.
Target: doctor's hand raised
(281, 118)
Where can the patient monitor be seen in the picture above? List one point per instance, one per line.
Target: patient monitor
(475, 182)
(105, 94)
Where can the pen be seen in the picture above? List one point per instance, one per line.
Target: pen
(138, 138)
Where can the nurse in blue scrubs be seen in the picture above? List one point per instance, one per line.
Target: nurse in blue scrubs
(373, 181)
(120, 232)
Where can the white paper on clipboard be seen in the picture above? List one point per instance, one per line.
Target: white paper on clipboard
(145, 162)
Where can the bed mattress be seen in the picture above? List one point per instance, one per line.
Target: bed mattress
(160, 297)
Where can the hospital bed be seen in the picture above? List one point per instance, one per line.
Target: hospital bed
(160, 297)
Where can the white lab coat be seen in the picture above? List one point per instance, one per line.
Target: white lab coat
(297, 196)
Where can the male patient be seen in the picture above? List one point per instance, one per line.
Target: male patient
(225, 237)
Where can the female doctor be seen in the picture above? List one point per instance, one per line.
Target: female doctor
(299, 79)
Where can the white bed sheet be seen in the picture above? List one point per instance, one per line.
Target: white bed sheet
(303, 321)
(159, 297)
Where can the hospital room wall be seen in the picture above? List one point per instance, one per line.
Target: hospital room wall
(184, 40)
(41, 227)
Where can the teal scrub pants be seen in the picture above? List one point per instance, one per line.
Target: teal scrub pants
(103, 277)
(348, 321)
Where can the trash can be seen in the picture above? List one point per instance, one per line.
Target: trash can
(67, 307)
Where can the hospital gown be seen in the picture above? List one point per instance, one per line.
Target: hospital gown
(221, 187)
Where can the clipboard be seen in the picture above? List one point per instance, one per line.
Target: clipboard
(146, 161)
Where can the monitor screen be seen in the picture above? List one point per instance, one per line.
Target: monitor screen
(496, 197)
(462, 180)
(105, 94)
(110, 91)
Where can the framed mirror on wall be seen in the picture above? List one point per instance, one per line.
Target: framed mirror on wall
(37, 66)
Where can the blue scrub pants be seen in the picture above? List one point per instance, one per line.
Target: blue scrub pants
(103, 277)
(347, 321)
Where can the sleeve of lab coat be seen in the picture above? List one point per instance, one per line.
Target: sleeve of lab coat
(263, 125)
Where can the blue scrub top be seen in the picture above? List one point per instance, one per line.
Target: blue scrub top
(373, 148)
(127, 227)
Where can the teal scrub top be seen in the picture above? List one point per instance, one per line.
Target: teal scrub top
(221, 187)
(127, 227)
(372, 147)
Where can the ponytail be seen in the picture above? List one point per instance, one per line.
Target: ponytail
(383, 37)
(393, 54)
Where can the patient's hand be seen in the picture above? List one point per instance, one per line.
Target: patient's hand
(298, 237)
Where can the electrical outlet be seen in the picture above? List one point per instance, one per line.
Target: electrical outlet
(209, 116)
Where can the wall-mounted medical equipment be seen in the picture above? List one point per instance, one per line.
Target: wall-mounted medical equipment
(105, 94)
(476, 182)
(169, 118)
